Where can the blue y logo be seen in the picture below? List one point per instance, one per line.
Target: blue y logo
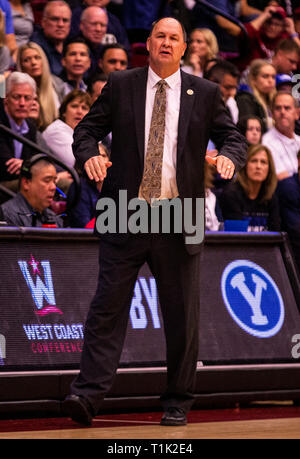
(252, 298)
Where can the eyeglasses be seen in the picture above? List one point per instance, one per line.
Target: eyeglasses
(18, 97)
(95, 24)
(115, 61)
(57, 19)
(277, 25)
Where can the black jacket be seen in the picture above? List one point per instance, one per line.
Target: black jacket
(120, 109)
(7, 145)
(262, 216)
(249, 105)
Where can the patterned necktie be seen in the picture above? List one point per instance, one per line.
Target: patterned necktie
(151, 181)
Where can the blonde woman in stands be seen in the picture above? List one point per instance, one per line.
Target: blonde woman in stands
(258, 99)
(31, 59)
(203, 47)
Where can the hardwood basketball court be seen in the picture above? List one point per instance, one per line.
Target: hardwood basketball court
(258, 421)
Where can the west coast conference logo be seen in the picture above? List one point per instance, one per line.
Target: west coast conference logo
(252, 298)
(40, 289)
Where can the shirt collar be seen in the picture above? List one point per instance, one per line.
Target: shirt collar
(20, 129)
(173, 80)
(284, 137)
(33, 211)
(63, 76)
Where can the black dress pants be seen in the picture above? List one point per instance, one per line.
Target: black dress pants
(177, 277)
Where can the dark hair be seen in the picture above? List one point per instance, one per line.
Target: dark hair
(30, 162)
(74, 40)
(269, 184)
(217, 72)
(94, 78)
(112, 46)
(284, 93)
(242, 124)
(185, 36)
(75, 94)
(287, 46)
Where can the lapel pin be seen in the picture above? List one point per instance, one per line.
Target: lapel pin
(190, 92)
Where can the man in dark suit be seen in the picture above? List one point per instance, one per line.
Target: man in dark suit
(14, 113)
(159, 103)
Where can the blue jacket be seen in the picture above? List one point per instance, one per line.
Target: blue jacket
(288, 191)
(85, 209)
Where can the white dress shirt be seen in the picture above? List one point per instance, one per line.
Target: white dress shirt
(284, 151)
(169, 188)
(211, 220)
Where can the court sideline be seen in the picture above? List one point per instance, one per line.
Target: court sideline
(259, 421)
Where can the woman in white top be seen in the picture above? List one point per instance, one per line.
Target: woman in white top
(59, 134)
(212, 222)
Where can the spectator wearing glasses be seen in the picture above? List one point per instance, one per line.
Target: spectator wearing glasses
(55, 29)
(264, 34)
(93, 27)
(20, 93)
(115, 33)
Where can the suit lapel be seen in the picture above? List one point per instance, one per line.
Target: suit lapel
(139, 85)
(187, 99)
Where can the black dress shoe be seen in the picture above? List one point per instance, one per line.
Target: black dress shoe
(174, 417)
(76, 408)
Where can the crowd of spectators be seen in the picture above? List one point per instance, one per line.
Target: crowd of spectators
(56, 57)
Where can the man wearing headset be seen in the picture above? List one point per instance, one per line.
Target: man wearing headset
(30, 207)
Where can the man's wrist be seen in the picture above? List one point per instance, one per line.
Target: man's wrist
(294, 35)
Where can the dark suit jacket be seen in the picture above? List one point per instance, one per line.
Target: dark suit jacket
(121, 109)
